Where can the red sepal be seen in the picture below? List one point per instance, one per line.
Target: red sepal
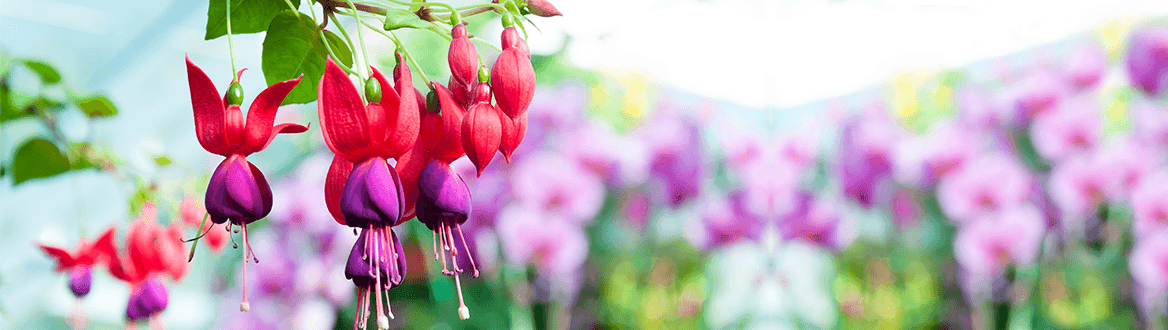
(407, 120)
(334, 185)
(342, 115)
(450, 146)
(513, 132)
(262, 114)
(210, 123)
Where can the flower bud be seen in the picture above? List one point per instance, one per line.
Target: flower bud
(481, 129)
(542, 8)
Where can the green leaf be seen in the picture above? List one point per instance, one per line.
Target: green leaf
(80, 159)
(97, 106)
(396, 18)
(162, 160)
(249, 16)
(48, 74)
(339, 47)
(37, 158)
(292, 47)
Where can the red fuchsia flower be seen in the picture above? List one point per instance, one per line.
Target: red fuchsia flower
(192, 212)
(151, 252)
(513, 82)
(464, 65)
(481, 129)
(79, 265)
(361, 189)
(238, 191)
(543, 8)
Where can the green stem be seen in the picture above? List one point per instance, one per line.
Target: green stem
(341, 28)
(230, 45)
(360, 36)
(196, 239)
(405, 53)
(336, 59)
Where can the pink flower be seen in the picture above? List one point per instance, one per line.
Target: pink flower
(986, 246)
(1149, 122)
(987, 185)
(621, 160)
(819, 222)
(1080, 184)
(923, 160)
(1150, 204)
(1148, 262)
(1075, 127)
(724, 220)
(1086, 66)
(1040, 93)
(769, 187)
(982, 109)
(558, 187)
(553, 245)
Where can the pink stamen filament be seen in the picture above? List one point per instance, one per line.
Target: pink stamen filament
(442, 242)
(377, 277)
(244, 306)
(463, 311)
(467, 248)
(453, 249)
(357, 315)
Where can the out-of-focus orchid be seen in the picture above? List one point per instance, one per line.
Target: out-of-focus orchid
(986, 246)
(865, 159)
(556, 247)
(989, 184)
(677, 165)
(982, 109)
(1080, 184)
(558, 187)
(817, 221)
(923, 160)
(724, 220)
(1074, 128)
(1039, 93)
(1147, 60)
(1086, 66)
(1150, 204)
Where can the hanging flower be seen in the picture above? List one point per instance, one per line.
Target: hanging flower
(79, 265)
(151, 252)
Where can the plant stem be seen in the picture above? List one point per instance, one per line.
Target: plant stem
(341, 28)
(360, 36)
(230, 45)
(332, 4)
(405, 52)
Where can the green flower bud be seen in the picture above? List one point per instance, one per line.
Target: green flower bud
(372, 90)
(234, 94)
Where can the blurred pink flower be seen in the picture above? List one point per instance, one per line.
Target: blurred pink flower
(724, 220)
(800, 145)
(864, 163)
(1147, 60)
(677, 163)
(1039, 93)
(946, 147)
(905, 209)
(1086, 66)
(982, 109)
(621, 160)
(1148, 262)
(1075, 127)
(1150, 204)
(989, 184)
(1149, 122)
(1080, 184)
(554, 246)
(818, 221)
(986, 246)
(302, 196)
(558, 187)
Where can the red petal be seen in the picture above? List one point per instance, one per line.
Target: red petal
(407, 122)
(342, 114)
(209, 111)
(462, 57)
(513, 81)
(409, 167)
(388, 107)
(262, 114)
(63, 258)
(171, 248)
(279, 129)
(334, 185)
(450, 148)
(481, 134)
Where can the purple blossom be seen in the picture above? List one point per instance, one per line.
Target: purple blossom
(1147, 59)
(1075, 127)
(724, 220)
(769, 186)
(818, 221)
(297, 207)
(146, 299)
(983, 110)
(677, 165)
(558, 187)
(80, 279)
(989, 184)
(865, 159)
(984, 247)
(594, 145)
(238, 192)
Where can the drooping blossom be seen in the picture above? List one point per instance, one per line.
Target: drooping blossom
(151, 252)
(79, 265)
(361, 189)
(238, 191)
(1150, 204)
(557, 186)
(987, 245)
(443, 206)
(1074, 128)
(1147, 60)
(989, 184)
(724, 220)
(817, 221)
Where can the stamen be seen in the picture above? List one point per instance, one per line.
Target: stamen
(77, 317)
(434, 241)
(453, 249)
(442, 242)
(388, 309)
(244, 306)
(382, 322)
(467, 249)
(233, 244)
(393, 267)
(360, 292)
(463, 312)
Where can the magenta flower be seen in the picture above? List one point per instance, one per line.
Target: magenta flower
(558, 187)
(1147, 60)
(818, 221)
(987, 185)
(591, 144)
(923, 160)
(769, 187)
(1150, 204)
(1149, 122)
(677, 165)
(986, 246)
(982, 109)
(556, 247)
(865, 161)
(1074, 128)
(1080, 184)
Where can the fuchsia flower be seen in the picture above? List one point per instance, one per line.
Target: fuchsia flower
(150, 253)
(1074, 128)
(361, 190)
(79, 265)
(1147, 60)
(238, 191)
(989, 184)
(986, 246)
